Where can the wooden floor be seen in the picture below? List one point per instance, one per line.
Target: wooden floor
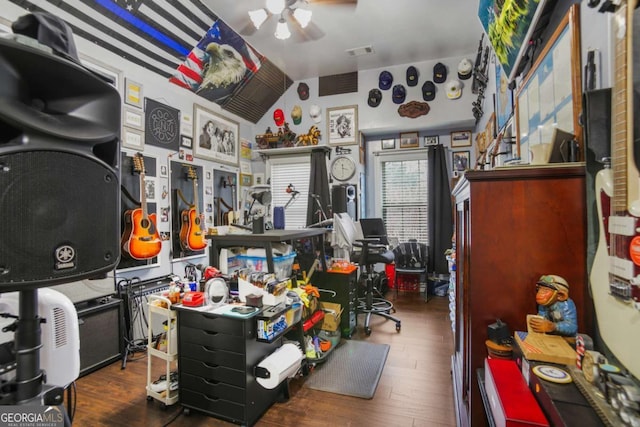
(415, 388)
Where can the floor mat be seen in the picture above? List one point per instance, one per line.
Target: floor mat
(353, 369)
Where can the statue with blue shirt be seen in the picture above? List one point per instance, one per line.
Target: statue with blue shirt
(557, 312)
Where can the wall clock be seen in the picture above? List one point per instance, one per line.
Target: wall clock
(343, 168)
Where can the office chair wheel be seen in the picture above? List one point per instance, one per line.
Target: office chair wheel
(398, 326)
(367, 331)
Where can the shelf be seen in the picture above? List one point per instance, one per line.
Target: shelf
(162, 354)
(285, 151)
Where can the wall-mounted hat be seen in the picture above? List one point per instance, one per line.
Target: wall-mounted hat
(454, 89)
(412, 76)
(375, 96)
(385, 80)
(439, 73)
(278, 117)
(303, 91)
(296, 114)
(464, 69)
(428, 91)
(399, 94)
(315, 113)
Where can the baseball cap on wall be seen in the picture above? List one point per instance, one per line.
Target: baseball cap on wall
(428, 91)
(303, 91)
(375, 96)
(439, 73)
(464, 69)
(399, 94)
(278, 117)
(454, 89)
(315, 113)
(296, 114)
(385, 80)
(412, 76)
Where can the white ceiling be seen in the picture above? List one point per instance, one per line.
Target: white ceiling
(400, 32)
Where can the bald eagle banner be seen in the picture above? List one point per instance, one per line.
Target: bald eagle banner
(219, 65)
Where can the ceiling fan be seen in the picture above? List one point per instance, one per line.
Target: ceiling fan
(294, 12)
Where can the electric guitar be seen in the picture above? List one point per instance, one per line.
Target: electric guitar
(615, 274)
(191, 234)
(140, 239)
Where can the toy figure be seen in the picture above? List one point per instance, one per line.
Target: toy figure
(557, 311)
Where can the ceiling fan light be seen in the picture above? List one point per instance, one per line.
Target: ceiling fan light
(275, 6)
(258, 17)
(303, 16)
(282, 30)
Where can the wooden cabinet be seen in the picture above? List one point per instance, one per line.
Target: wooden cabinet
(512, 226)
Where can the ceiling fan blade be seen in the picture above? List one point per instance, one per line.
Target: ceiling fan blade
(248, 29)
(310, 33)
(353, 2)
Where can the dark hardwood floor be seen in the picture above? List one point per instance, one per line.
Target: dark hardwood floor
(415, 388)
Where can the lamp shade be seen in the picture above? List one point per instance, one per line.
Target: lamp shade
(275, 6)
(258, 17)
(282, 30)
(303, 16)
(262, 197)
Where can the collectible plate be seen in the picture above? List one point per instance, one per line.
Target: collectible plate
(553, 374)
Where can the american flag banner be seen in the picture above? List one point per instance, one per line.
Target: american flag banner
(176, 39)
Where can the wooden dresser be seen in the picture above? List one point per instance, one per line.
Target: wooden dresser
(512, 226)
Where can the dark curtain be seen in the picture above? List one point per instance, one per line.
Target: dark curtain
(318, 187)
(440, 213)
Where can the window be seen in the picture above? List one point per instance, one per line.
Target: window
(404, 196)
(294, 170)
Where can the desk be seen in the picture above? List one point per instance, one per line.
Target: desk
(264, 240)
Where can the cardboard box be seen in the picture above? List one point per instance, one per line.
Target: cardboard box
(511, 401)
(545, 348)
(332, 313)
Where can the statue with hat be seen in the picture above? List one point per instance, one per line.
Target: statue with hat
(557, 312)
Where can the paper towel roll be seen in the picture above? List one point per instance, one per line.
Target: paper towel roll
(281, 364)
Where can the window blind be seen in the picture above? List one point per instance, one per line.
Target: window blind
(294, 171)
(404, 199)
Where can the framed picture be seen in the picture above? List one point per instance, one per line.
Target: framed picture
(186, 141)
(461, 138)
(504, 99)
(258, 179)
(133, 118)
(409, 140)
(186, 124)
(161, 125)
(388, 144)
(342, 125)
(132, 93)
(133, 138)
(216, 137)
(100, 67)
(431, 140)
(460, 160)
(163, 171)
(150, 189)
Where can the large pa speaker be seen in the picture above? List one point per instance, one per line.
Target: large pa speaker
(343, 199)
(59, 177)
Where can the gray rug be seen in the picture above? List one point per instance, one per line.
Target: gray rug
(353, 368)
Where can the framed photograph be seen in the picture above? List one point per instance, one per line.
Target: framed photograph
(258, 179)
(133, 138)
(388, 144)
(150, 189)
(409, 140)
(216, 137)
(431, 140)
(132, 93)
(163, 171)
(342, 125)
(460, 160)
(246, 179)
(133, 118)
(461, 138)
(186, 141)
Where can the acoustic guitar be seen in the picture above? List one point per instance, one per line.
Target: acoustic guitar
(615, 274)
(140, 239)
(191, 234)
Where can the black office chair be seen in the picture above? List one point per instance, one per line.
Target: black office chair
(410, 260)
(372, 252)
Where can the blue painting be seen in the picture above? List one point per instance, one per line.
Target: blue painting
(504, 99)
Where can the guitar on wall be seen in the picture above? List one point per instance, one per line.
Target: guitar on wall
(615, 274)
(191, 233)
(140, 239)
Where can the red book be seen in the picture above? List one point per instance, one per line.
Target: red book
(512, 402)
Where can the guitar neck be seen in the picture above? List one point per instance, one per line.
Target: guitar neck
(143, 197)
(195, 196)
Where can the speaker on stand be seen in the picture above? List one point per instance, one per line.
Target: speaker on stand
(344, 199)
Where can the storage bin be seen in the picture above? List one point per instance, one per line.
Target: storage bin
(282, 265)
(246, 288)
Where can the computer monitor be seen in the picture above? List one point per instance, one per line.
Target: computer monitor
(374, 227)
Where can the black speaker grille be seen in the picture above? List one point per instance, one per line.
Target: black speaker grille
(59, 218)
(338, 83)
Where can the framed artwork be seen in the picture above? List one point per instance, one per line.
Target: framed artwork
(216, 137)
(258, 179)
(431, 140)
(504, 99)
(461, 138)
(132, 93)
(342, 125)
(388, 144)
(133, 118)
(161, 125)
(460, 160)
(133, 138)
(163, 171)
(150, 189)
(550, 96)
(186, 141)
(246, 179)
(186, 124)
(100, 67)
(409, 140)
